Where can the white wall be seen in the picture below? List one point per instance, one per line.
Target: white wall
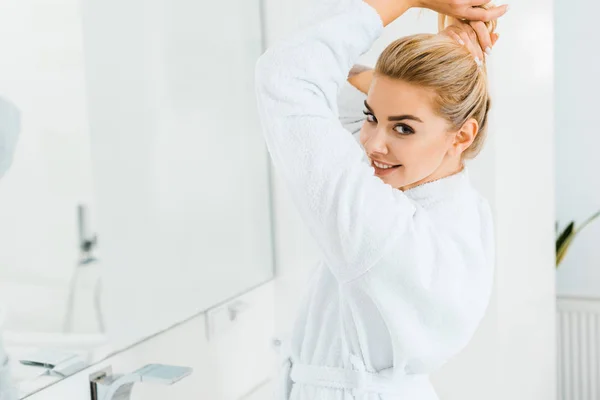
(525, 206)
(512, 354)
(577, 143)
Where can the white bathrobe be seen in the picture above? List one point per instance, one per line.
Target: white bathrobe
(405, 276)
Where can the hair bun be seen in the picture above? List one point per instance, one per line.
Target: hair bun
(444, 21)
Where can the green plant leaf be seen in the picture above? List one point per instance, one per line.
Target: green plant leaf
(590, 219)
(566, 237)
(563, 242)
(562, 251)
(562, 238)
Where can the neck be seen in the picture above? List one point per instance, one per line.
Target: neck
(442, 172)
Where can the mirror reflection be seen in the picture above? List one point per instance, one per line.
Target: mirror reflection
(138, 193)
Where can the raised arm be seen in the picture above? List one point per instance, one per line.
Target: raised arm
(350, 212)
(354, 216)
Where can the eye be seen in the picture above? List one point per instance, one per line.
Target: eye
(367, 114)
(406, 130)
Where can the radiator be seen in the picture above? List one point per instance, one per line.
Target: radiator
(578, 352)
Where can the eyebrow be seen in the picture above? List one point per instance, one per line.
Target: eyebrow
(397, 117)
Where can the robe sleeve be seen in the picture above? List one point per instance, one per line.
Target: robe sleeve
(352, 214)
(433, 287)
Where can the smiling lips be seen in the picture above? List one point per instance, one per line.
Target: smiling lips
(382, 165)
(383, 169)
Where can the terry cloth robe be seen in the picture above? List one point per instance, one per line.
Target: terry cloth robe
(405, 277)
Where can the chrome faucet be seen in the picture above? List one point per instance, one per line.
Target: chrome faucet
(106, 386)
(87, 243)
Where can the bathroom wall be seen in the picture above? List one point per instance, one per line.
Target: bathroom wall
(513, 353)
(577, 142)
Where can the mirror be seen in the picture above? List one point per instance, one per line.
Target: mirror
(139, 191)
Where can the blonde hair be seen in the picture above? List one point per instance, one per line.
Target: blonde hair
(439, 63)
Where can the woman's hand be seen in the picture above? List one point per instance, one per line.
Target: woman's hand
(361, 76)
(463, 9)
(472, 34)
(469, 10)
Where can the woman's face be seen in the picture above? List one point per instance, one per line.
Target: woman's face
(416, 138)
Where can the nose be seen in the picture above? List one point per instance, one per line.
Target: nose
(377, 142)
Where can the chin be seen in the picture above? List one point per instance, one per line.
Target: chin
(396, 182)
(393, 181)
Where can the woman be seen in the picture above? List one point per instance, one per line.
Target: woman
(407, 250)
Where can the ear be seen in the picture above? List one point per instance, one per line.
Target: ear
(464, 137)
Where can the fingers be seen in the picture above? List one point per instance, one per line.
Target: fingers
(456, 38)
(483, 36)
(474, 35)
(495, 37)
(480, 14)
(451, 32)
(477, 3)
(474, 49)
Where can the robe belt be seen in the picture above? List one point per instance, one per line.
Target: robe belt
(358, 379)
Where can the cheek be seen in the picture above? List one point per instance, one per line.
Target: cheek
(363, 136)
(422, 153)
(434, 144)
(401, 149)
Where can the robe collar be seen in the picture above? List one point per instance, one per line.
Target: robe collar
(434, 191)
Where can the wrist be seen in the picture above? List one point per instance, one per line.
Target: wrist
(390, 10)
(362, 80)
